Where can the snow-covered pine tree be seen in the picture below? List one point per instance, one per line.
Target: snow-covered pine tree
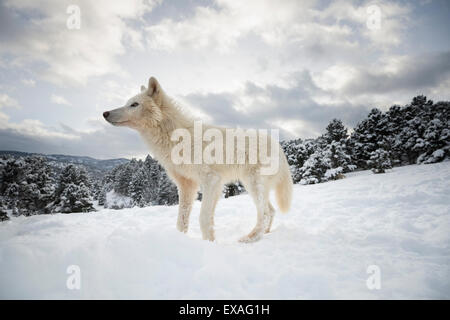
(336, 149)
(96, 188)
(233, 189)
(138, 186)
(9, 188)
(28, 185)
(436, 137)
(108, 183)
(154, 173)
(330, 157)
(380, 161)
(102, 197)
(45, 185)
(297, 152)
(73, 193)
(365, 137)
(3, 216)
(338, 160)
(395, 123)
(409, 142)
(167, 191)
(314, 169)
(124, 176)
(335, 131)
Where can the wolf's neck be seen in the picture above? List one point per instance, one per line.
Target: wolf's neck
(159, 138)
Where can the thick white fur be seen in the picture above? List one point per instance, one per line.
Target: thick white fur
(155, 118)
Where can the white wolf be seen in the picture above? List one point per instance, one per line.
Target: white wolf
(155, 116)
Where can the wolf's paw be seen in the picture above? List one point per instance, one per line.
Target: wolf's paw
(253, 236)
(182, 228)
(209, 236)
(248, 239)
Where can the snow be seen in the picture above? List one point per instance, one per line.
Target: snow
(398, 221)
(439, 153)
(331, 173)
(117, 201)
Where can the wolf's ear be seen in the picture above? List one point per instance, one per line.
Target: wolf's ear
(153, 87)
(143, 88)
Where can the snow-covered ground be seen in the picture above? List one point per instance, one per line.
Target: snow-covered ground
(398, 221)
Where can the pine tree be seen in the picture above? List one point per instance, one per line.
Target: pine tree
(142, 182)
(337, 158)
(336, 149)
(73, 194)
(366, 136)
(233, 189)
(436, 137)
(39, 187)
(297, 152)
(3, 216)
(167, 191)
(313, 170)
(124, 177)
(396, 121)
(28, 185)
(102, 197)
(410, 141)
(380, 161)
(138, 187)
(335, 131)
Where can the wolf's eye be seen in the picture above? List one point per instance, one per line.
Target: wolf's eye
(134, 104)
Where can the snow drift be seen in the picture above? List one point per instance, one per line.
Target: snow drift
(398, 221)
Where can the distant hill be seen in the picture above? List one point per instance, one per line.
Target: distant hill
(95, 166)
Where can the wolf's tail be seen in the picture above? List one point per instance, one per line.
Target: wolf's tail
(283, 189)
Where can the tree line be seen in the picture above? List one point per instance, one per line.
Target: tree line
(418, 133)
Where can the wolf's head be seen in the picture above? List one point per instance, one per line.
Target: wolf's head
(142, 110)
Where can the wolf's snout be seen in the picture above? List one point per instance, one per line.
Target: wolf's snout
(105, 114)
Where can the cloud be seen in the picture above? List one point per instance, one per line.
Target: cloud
(383, 23)
(296, 110)
(280, 23)
(35, 33)
(390, 80)
(346, 92)
(220, 26)
(7, 101)
(29, 82)
(411, 73)
(59, 100)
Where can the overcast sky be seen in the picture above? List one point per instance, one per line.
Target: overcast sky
(287, 64)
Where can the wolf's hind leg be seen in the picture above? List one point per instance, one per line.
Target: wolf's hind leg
(187, 190)
(269, 213)
(259, 193)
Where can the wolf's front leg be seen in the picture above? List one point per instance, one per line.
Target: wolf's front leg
(211, 189)
(187, 190)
